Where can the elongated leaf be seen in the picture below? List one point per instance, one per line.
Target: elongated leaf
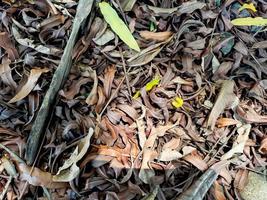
(6, 75)
(27, 88)
(118, 26)
(158, 36)
(239, 144)
(225, 98)
(249, 21)
(70, 169)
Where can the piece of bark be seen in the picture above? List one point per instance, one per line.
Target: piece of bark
(59, 78)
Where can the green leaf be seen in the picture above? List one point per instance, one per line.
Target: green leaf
(249, 21)
(118, 26)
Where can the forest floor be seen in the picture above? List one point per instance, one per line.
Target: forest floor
(147, 96)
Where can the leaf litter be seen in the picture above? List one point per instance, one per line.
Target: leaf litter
(159, 93)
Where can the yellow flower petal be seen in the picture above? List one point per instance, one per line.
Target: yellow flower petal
(149, 86)
(137, 94)
(178, 102)
(152, 83)
(248, 6)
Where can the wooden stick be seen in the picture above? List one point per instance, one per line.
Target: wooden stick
(59, 78)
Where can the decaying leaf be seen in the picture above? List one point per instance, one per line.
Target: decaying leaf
(147, 54)
(225, 98)
(195, 159)
(248, 114)
(157, 36)
(118, 26)
(92, 97)
(5, 74)
(146, 173)
(222, 122)
(30, 84)
(70, 170)
(263, 147)
(239, 144)
(38, 177)
(6, 44)
(30, 43)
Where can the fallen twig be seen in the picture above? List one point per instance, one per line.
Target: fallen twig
(59, 78)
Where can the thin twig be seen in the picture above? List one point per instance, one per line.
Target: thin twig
(3, 193)
(125, 72)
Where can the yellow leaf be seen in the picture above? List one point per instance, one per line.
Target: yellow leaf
(118, 26)
(154, 82)
(178, 102)
(249, 21)
(248, 6)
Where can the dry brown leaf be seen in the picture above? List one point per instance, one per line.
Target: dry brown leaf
(146, 173)
(239, 144)
(74, 88)
(70, 170)
(5, 74)
(30, 84)
(6, 44)
(92, 97)
(248, 114)
(222, 122)
(108, 80)
(218, 191)
(241, 179)
(263, 147)
(225, 98)
(195, 159)
(38, 177)
(157, 36)
(140, 123)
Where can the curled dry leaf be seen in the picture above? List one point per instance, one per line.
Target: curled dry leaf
(38, 177)
(6, 44)
(5, 73)
(263, 147)
(195, 159)
(218, 191)
(157, 36)
(169, 153)
(222, 122)
(226, 98)
(248, 114)
(30, 43)
(239, 144)
(74, 88)
(146, 173)
(30, 84)
(70, 170)
(147, 54)
(92, 97)
(241, 179)
(141, 128)
(108, 79)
